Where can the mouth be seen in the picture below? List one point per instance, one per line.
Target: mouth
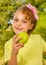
(18, 28)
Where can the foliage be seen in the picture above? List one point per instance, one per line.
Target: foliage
(7, 9)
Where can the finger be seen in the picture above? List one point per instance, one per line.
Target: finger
(18, 39)
(15, 36)
(19, 47)
(19, 44)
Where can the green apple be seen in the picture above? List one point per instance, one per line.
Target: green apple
(24, 37)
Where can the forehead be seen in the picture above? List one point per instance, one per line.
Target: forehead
(20, 15)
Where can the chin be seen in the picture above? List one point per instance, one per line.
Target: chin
(17, 32)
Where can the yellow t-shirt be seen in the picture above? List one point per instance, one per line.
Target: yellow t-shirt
(30, 54)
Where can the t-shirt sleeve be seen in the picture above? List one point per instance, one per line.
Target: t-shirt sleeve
(34, 61)
(6, 53)
(7, 48)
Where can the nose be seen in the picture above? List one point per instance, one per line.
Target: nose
(19, 23)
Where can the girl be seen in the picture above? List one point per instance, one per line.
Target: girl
(24, 20)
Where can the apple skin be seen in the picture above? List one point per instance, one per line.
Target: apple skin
(24, 37)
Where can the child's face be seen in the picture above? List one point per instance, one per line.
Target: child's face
(20, 24)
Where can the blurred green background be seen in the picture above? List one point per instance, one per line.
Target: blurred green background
(8, 7)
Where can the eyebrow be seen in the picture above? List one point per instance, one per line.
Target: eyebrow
(25, 18)
(15, 18)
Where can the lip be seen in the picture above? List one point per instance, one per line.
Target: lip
(18, 28)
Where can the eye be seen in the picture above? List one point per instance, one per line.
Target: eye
(16, 20)
(24, 21)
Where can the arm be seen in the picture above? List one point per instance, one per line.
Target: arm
(13, 59)
(15, 48)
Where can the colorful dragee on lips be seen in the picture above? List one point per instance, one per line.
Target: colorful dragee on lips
(33, 9)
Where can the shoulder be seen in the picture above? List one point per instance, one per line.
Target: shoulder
(36, 38)
(35, 35)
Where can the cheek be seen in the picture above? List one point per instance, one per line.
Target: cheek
(26, 26)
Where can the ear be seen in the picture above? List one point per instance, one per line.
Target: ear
(31, 26)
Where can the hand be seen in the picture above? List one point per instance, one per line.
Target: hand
(16, 45)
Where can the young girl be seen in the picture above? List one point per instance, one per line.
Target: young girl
(24, 20)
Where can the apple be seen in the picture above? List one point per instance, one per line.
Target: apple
(24, 37)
